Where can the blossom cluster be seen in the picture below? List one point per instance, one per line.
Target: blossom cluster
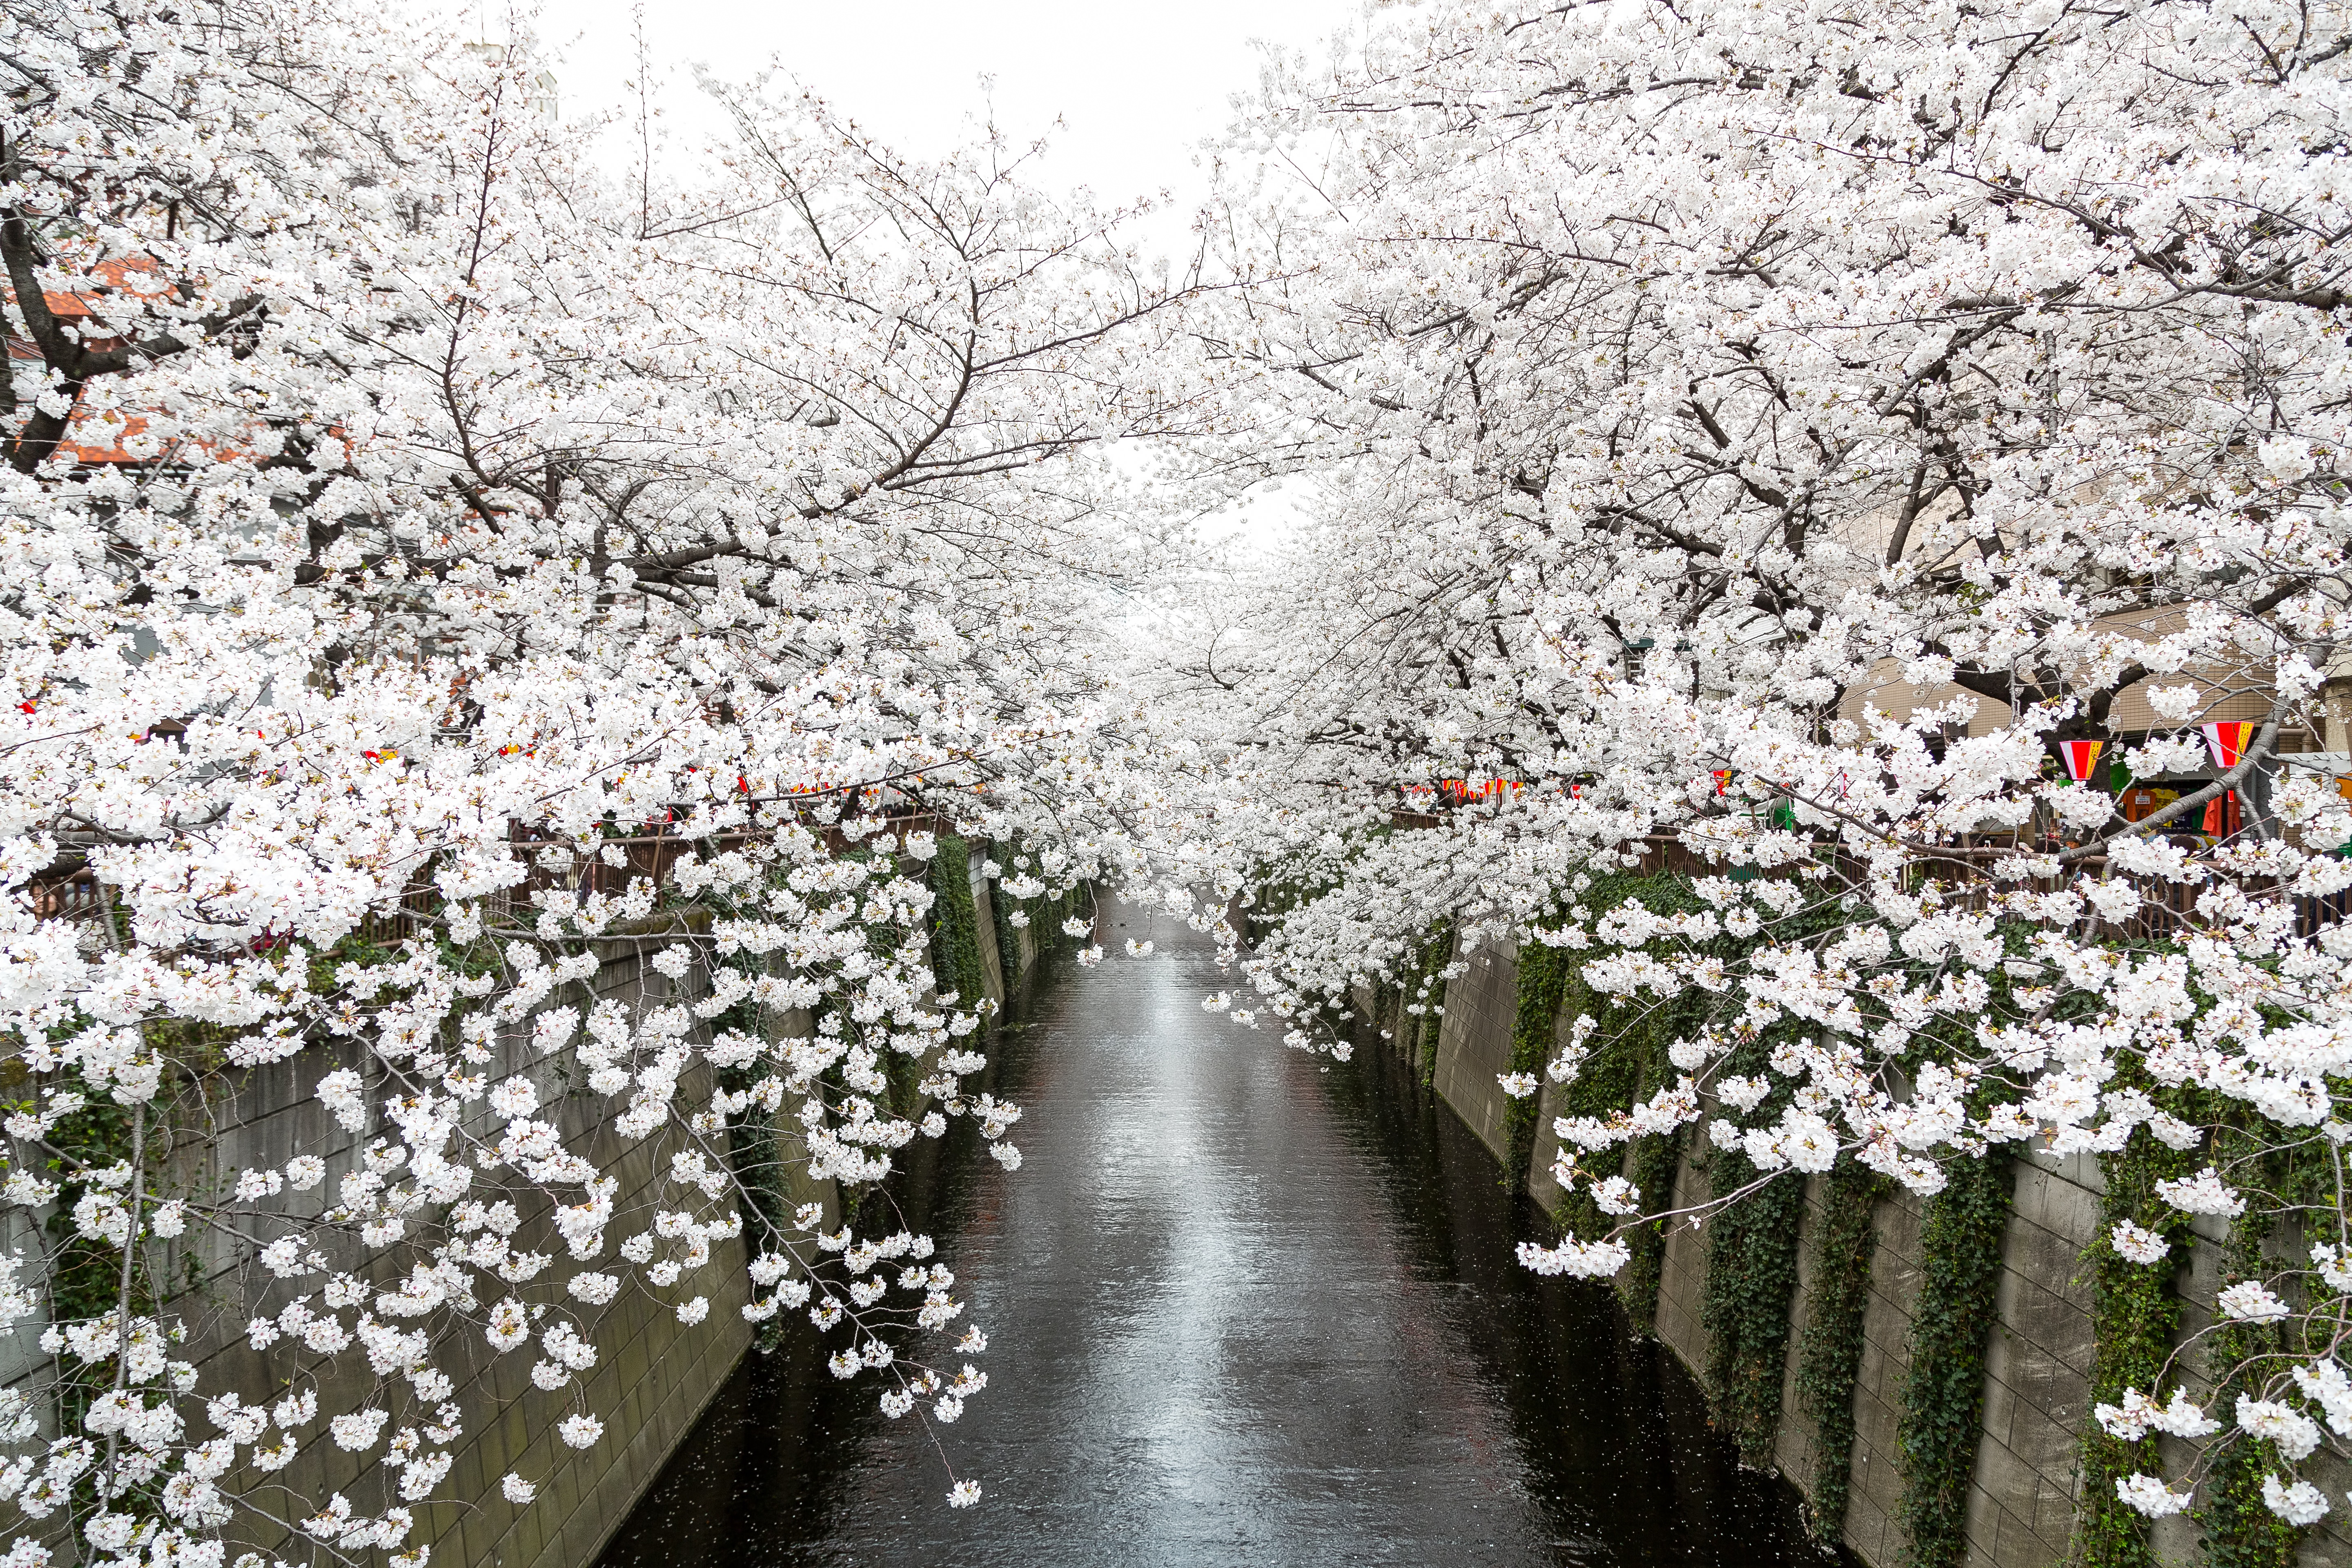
(1823, 454)
(493, 652)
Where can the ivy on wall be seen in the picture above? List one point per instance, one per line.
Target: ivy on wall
(2238, 1529)
(1628, 1060)
(1650, 1166)
(1542, 976)
(1008, 938)
(955, 925)
(1046, 916)
(1829, 1354)
(1751, 1264)
(956, 964)
(1390, 1022)
(87, 1278)
(1429, 995)
(2135, 1316)
(1750, 1277)
(1952, 1324)
(1752, 1272)
(755, 1148)
(1752, 1282)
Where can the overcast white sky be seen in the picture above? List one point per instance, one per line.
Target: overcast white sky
(1137, 87)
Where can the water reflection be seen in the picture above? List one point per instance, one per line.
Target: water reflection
(1243, 1309)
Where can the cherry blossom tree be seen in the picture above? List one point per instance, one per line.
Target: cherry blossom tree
(1765, 437)
(433, 564)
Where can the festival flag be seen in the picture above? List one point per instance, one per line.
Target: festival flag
(2227, 742)
(2222, 817)
(1722, 778)
(2081, 757)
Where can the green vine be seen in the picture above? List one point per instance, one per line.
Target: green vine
(1627, 1059)
(2238, 1529)
(86, 1281)
(1652, 1166)
(1542, 978)
(1046, 916)
(955, 925)
(1429, 996)
(1751, 1271)
(1829, 1354)
(1008, 939)
(1752, 1282)
(956, 963)
(755, 1151)
(1943, 1394)
(1606, 1080)
(2135, 1315)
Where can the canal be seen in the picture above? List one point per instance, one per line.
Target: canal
(1245, 1306)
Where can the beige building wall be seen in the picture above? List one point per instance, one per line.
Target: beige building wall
(2234, 694)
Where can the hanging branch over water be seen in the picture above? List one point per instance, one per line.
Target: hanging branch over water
(441, 582)
(1805, 451)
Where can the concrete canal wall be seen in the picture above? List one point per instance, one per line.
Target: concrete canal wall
(2023, 1495)
(654, 1375)
(652, 1378)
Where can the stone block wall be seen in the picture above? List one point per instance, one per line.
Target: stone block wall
(2037, 1372)
(654, 1375)
(1474, 1041)
(2024, 1493)
(652, 1379)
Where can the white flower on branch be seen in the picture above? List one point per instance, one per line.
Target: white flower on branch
(1576, 1259)
(2296, 1434)
(2251, 1301)
(2134, 1243)
(2203, 1192)
(2150, 1497)
(2299, 1503)
(355, 1431)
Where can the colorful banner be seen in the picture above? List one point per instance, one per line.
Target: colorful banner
(1478, 789)
(2227, 742)
(2223, 819)
(2081, 757)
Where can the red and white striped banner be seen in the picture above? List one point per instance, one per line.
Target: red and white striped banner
(2081, 757)
(2227, 742)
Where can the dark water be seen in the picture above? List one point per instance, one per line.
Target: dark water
(1243, 1308)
